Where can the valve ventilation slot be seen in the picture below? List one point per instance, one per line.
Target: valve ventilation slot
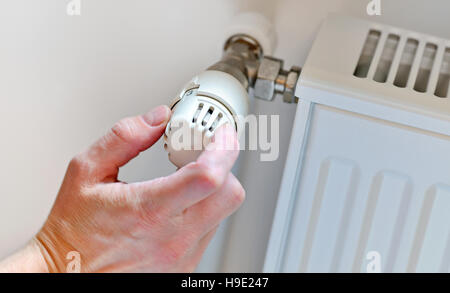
(405, 62)
(208, 119)
(197, 113)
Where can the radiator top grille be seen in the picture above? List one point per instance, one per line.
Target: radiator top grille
(405, 62)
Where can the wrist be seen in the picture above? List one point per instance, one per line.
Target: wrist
(52, 249)
(27, 260)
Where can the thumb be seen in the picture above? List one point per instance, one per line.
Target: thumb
(125, 141)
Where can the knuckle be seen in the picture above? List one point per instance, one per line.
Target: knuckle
(124, 129)
(238, 196)
(79, 165)
(207, 177)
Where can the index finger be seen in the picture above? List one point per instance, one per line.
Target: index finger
(199, 179)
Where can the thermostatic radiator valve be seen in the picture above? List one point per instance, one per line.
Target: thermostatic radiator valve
(219, 95)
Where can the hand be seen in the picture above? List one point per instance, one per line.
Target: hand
(162, 225)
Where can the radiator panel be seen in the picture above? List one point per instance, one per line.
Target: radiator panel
(361, 190)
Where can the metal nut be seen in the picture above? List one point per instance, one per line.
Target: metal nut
(272, 80)
(268, 72)
(291, 83)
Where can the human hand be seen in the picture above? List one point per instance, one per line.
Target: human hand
(161, 225)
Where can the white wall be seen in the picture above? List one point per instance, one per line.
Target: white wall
(65, 80)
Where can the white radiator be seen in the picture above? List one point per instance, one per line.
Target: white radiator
(367, 178)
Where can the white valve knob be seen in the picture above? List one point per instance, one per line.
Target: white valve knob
(210, 100)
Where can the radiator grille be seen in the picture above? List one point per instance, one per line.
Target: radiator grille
(403, 61)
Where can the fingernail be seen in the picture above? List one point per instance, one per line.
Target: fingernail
(157, 116)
